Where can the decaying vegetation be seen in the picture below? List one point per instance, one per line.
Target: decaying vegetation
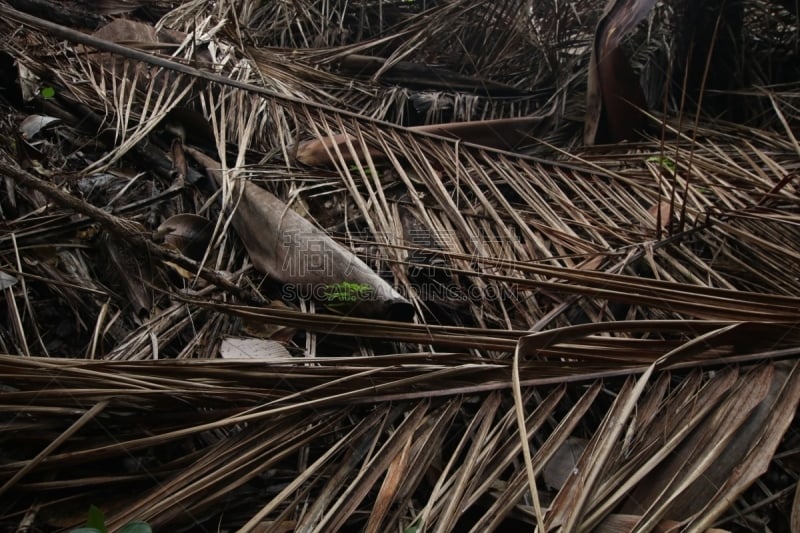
(403, 265)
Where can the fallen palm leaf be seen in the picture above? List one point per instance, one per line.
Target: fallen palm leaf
(305, 259)
(503, 134)
(615, 100)
(421, 76)
(649, 344)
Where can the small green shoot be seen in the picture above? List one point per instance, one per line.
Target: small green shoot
(664, 161)
(130, 527)
(345, 293)
(136, 527)
(96, 523)
(47, 93)
(367, 171)
(415, 527)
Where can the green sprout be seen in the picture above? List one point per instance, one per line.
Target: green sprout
(96, 523)
(345, 293)
(47, 92)
(415, 527)
(664, 161)
(367, 170)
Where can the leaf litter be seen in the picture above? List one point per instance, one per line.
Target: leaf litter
(317, 265)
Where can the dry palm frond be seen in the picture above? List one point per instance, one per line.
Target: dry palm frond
(641, 298)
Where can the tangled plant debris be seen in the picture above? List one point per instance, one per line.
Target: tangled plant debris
(323, 265)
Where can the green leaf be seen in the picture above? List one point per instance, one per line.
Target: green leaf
(346, 292)
(367, 170)
(415, 527)
(665, 162)
(136, 527)
(47, 92)
(85, 530)
(97, 519)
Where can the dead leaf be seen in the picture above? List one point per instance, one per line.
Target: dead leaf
(562, 464)
(189, 233)
(661, 213)
(249, 348)
(264, 329)
(614, 95)
(304, 258)
(33, 124)
(133, 273)
(625, 523)
(7, 280)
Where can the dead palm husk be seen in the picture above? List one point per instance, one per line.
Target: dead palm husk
(604, 338)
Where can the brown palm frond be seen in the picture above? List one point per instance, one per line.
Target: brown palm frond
(632, 307)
